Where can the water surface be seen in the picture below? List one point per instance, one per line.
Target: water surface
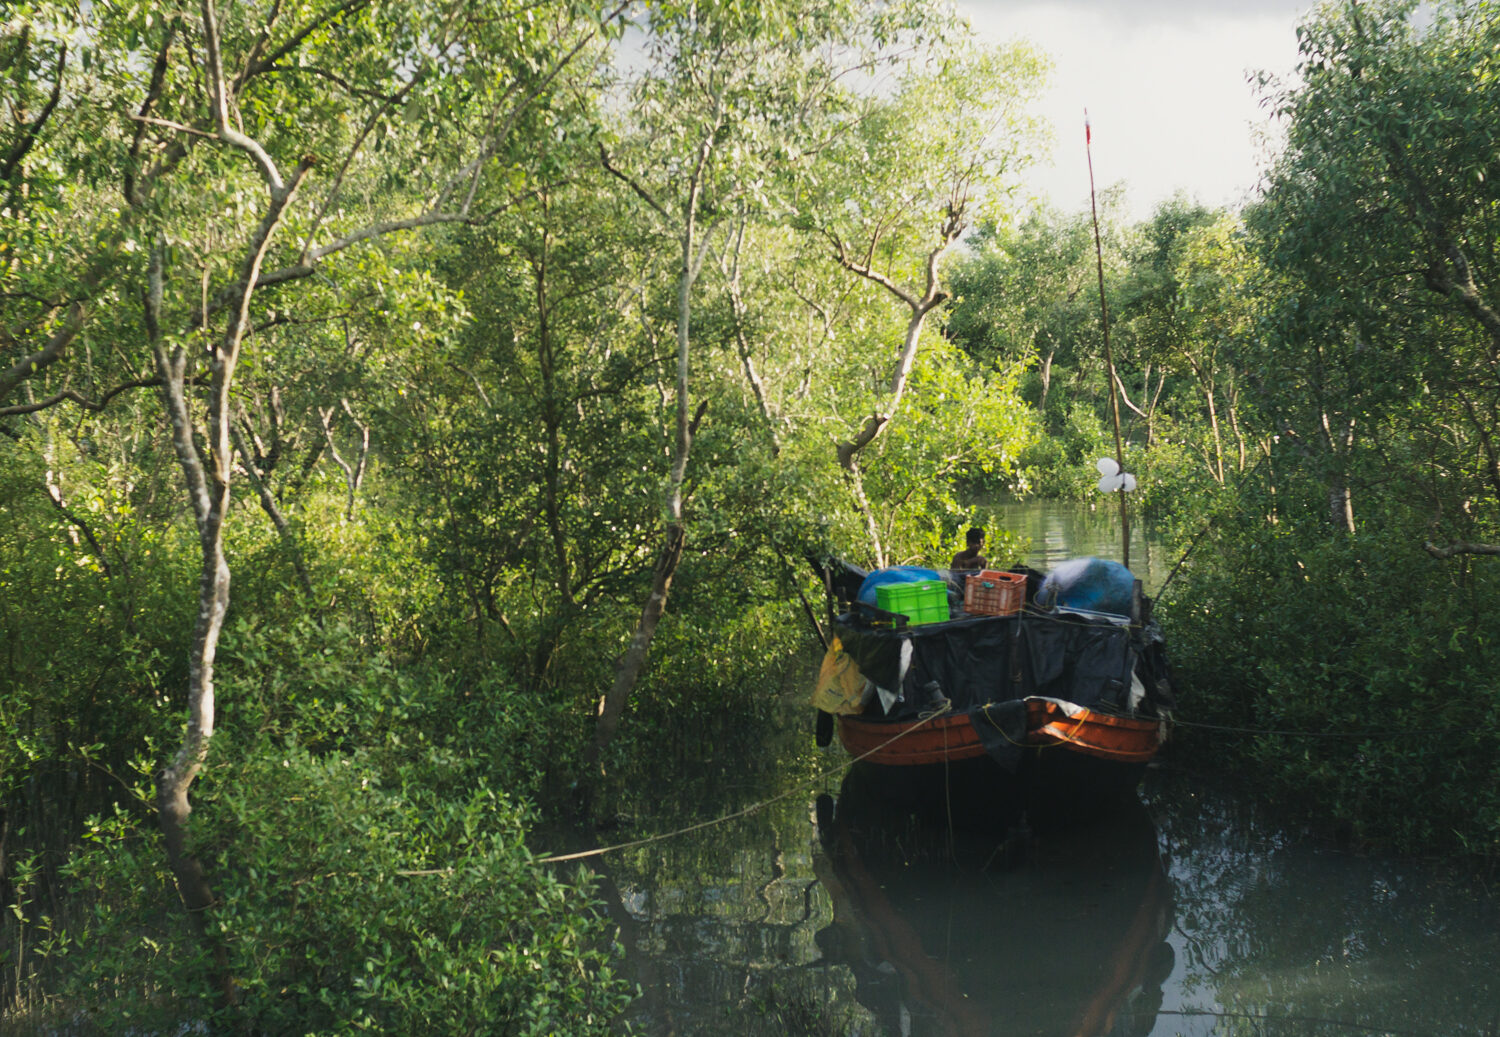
(1059, 531)
(1181, 914)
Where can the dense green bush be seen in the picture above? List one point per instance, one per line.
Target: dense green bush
(349, 901)
(93, 600)
(1369, 669)
(370, 874)
(1061, 465)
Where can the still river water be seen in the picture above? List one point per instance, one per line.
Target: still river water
(1190, 913)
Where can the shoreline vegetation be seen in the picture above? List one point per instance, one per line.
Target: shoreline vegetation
(413, 420)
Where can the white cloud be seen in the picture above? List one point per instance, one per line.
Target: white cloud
(1167, 87)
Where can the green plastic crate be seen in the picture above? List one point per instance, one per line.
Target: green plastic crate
(922, 601)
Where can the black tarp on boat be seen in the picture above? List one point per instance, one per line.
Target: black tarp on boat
(987, 659)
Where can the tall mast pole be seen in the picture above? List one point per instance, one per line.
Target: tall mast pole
(1109, 357)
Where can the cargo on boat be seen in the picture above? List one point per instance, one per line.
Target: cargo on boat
(1059, 679)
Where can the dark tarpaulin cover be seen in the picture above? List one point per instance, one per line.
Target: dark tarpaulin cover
(985, 666)
(968, 658)
(994, 659)
(1085, 663)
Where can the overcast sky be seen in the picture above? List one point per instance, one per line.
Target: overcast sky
(1166, 87)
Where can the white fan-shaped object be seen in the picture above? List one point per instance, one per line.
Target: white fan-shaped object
(1111, 478)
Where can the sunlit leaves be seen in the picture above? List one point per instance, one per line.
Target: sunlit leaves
(1380, 219)
(949, 140)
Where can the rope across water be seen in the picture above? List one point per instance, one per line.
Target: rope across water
(752, 808)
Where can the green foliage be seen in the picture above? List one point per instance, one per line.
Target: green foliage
(1030, 292)
(466, 439)
(1364, 660)
(93, 587)
(1312, 608)
(358, 893)
(449, 454)
(1378, 227)
(370, 874)
(958, 427)
(336, 935)
(1061, 464)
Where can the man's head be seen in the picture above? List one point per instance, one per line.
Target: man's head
(974, 538)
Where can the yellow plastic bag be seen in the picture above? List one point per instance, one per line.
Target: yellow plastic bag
(841, 687)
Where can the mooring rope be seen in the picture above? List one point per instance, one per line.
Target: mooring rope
(745, 811)
(923, 720)
(1406, 732)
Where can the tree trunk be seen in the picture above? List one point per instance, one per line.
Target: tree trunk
(877, 421)
(1213, 424)
(918, 306)
(1232, 399)
(855, 478)
(1206, 386)
(551, 420)
(633, 660)
(354, 474)
(747, 359)
(1152, 404)
(1340, 446)
(206, 475)
(1044, 372)
(1340, 504)
(210, 492)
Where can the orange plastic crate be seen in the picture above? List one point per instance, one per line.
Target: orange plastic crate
(992, 593)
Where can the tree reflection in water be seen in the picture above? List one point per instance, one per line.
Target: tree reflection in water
(1278, 933)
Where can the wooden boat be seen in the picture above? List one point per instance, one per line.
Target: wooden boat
(1072, 703)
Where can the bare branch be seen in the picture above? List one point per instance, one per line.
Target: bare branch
(739, 310)
(1459, 547)
(171, 366)
(478, 387)
(1120, 384)
(630, 182)
(257, 48)
(54, 494)
(297, 38)
(376, 230)
(273, 511)
(338, 180)
(169, 124)
(841, 256)
(82, 401)
(219, 97)
(153, 94)
(49, 354)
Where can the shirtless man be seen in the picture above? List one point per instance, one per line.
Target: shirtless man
(969, 557)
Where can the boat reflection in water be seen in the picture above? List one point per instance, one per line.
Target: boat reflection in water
(953, 927)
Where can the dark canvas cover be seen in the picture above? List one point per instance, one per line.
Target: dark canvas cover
(987, 659)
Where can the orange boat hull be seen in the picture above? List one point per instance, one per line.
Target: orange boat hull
(1049, 722)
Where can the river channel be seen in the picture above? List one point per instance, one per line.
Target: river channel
(1189, 912)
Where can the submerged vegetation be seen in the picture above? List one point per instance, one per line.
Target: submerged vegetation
(413, 418)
